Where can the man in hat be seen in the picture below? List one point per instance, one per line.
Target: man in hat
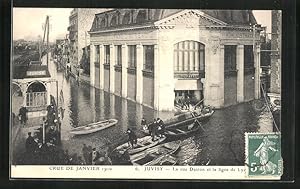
(153, 129)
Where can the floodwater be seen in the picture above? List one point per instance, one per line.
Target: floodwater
(221, 142)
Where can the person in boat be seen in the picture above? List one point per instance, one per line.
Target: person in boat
(191, 127)
(160, 127)
(104, 160)
(144, 124)
(132, 139)
(150, 127)
(153, 129)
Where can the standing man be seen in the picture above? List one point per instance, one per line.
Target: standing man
(85, 153)
(132, 139)
(161, 127)
(29, 143)
(95, 155)
(23, 114)
(153, 129)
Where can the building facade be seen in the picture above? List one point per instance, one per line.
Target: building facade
(32, 87)
(157, 56)
(80, 21)
(276, 53)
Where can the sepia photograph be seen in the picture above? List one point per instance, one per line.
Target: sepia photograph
(153, 89)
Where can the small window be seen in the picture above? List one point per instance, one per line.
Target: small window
(126, 18)
(118, 54)
(149, 57)
(230, 57)
(113, 21)
(132, 56)
(141, 17)
(248, 57)
(106, 54)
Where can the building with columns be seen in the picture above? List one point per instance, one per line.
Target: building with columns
(156, 56)
(32, 87)
(80, 21)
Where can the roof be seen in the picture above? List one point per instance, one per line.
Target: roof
(121, 18)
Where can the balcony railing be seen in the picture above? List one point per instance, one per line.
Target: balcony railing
(189, 74)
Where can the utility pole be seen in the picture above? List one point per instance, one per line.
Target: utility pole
(47, 27)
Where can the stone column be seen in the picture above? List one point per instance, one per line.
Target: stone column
(240, 74)
(214, 76)
(92, 65)
(48, 93)
(101, 66)
(257, 72)
(112, 69)
(156, 79)
(24, 93)
(139, 73)
(124, 70)
(221, 77)
(165, 72)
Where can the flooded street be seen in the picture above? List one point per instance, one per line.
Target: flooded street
(222, 142)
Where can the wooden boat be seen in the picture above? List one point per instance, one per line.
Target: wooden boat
(94, 127)
(157, 155)
(181, 130)
(186, 119)
(142, 144)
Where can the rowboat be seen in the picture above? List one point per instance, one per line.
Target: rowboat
(181, 130)
(142, 144)
(94, 127)
(157, 155)
(186, 119)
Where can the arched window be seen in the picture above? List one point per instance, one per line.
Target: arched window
(98, 22)
(113, 21)
(102, 23)
(189, 56)
(16, 90)
(36, 95)
(126, 18)
(141, 17)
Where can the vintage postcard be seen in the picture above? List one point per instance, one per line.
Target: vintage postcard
(146, 94)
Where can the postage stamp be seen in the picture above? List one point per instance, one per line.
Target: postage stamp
(263, 154)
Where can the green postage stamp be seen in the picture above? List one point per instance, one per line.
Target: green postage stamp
(263, 154)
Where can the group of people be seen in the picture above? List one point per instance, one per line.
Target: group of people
(156, 128)
(38, 152)
(93, 157)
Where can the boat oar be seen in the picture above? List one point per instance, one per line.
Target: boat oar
(197, 121)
